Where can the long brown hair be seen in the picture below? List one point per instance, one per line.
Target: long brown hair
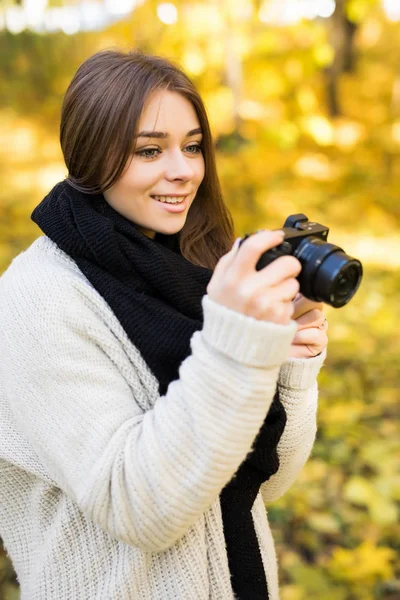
(99, 120)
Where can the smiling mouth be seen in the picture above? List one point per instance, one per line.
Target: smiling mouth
(170, 199)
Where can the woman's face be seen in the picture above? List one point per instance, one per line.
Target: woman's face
(160, 183)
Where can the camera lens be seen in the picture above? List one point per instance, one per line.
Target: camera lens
(328, 274)
(346, 283)
(338, 278)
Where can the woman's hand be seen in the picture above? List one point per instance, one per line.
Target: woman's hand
(266, 295)
(311, 337)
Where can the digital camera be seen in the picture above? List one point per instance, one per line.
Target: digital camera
(328, 274)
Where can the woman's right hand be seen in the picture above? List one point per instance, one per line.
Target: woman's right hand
(266, 295)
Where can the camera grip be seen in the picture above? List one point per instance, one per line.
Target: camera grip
(268, 257)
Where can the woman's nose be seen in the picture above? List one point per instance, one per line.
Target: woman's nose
(178, 167)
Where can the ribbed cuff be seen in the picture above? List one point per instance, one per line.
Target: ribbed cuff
(245, 339)
(301, 373)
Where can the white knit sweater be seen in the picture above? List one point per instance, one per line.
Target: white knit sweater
(108, 491)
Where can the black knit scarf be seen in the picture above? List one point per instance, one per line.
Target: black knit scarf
(156, 295)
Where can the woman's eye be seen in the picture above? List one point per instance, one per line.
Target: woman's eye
(151, 153)
(193, 148)
(148, 152)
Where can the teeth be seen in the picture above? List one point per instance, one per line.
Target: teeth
(169, 199)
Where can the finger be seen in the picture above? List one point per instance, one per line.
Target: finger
(282, 268)
(252, 248)
(260, 302)
(287, 310)
(278, 312)
(311, 337)
(312, 318)
(286, 290)
(303, 305)
(300, 351)
(257, 297)
(222, 266)
(226, 260)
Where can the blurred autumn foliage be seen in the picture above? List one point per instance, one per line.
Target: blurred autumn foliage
(306, 119)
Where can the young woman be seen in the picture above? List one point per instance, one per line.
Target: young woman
(155, 389)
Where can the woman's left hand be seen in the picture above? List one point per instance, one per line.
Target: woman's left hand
(311, 337)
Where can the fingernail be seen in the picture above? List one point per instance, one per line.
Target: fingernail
(236, 243)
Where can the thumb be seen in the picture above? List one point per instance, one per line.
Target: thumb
(235, 245)
(232, 252)
(228, 258)
(224, 263)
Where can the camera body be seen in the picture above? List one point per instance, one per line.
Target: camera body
(328, 274)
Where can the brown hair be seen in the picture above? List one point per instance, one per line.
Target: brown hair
(99, 120)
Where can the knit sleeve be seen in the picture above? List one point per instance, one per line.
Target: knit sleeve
(143, 476)
(298, 392)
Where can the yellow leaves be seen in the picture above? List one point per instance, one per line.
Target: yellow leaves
(251, 110)
(306, 98)
(396, 132)
(383, 511)
(19, 137)
(344, 413)
(378, 78)
(370, 33)
(315, 166)
(193, 61)
(357, 10)
(235, 10)
(203, 19)
(344, 132)
(348, 133)
(366, 563)
(6, 256)
(377, 494)
(319, 128)
(23, 139)
(270, 83)
(311, 583)
(324, 55)
(292, 592)
(47, 176)
(394, 483)
(381, 453)
(315, 470)
(359, 491)
(373, 250)
(294, 69)
(39, 178)
(287, 134)
(220, 104)
(324, 522)
(284, 134)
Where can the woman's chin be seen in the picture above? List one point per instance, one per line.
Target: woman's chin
(171, 229)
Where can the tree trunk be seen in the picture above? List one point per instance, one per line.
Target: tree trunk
(341, 36)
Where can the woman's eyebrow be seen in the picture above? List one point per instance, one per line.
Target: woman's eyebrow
(163, 135)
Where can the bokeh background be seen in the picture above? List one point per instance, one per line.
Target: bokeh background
(304, 101)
